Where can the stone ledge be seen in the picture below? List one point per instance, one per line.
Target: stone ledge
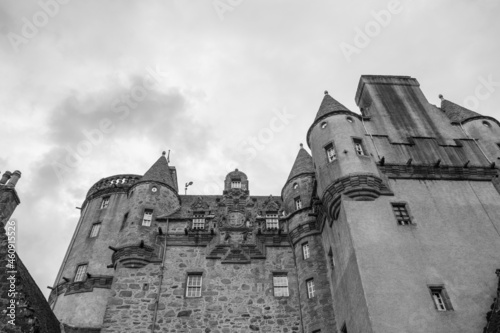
(101, 281)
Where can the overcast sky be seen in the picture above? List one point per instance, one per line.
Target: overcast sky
(221, 83)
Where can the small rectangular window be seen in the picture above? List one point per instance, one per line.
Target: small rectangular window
(298, 203)
(280, 283)
(105, 202)
(440, 298)
(310, 288)
(343, 329)
(358, 146)
(236, 183)
(401, 213)
(148, 217)
(95, 230)
(305, 251)
(193, 285)
(199, 221)
(272, 220)
(80, 273)
(330, 152)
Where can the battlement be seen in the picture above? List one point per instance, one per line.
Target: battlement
(123, 181)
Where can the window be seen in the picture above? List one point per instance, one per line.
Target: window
(105, 202)
(305, 251)
(440, 298)
(401, 213)
(280, 283)
(330, 257)
(349, 119)
(323, 125)
(193, 285)
(148, 216)
(343, 329)
(95, 230)
(298, 203)
(486, 124)
(199, 221)
(236, 183)
(310, 288)
(125, 217)
(296, 186)
(316, 331)
(272, 220)
(80, 273)
(358, 146)
(330, 152)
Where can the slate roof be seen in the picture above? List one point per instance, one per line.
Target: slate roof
(303, 164)
(329, 105)
(160, 172)
(457, 113)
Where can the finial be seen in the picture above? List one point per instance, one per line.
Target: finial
(441, 97)
(164, 153)
(301, 145)
(326, 92)
(236, 169)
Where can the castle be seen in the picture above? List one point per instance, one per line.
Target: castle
(392, 225)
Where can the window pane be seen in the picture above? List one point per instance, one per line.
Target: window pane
(95, 230)
(80, 273)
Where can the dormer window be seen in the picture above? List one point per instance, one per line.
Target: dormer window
(298, 203)
(272, 220)
(235, 183)
(199, 220)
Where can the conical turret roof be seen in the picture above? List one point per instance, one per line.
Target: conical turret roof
(329, 104)
(457, 113)
(303, 164)
(159, 172)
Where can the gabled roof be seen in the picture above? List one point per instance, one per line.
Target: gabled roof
(159, 172)
(457, 113)
(303, 164)
(329, 105)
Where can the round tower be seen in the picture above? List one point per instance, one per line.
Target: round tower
(342, 159)
(152, 196)
(305, 236)
(82, 287)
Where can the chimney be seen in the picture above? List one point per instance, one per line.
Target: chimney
(15, 177)
(6, 176)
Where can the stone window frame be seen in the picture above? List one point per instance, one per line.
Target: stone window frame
(440, 298)
(84, 274)
(236, 181)
(359, 141)
(93, 233)
(403, 221)
(326, 148)
(298, 203)
(144, 215)
(198, 288)
(272, 220)
(197, 217)
(280, 287)
(310, 288)
(105, 202)
(306, 251)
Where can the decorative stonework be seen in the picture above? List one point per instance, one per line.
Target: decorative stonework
(86, 286)
(135, 256)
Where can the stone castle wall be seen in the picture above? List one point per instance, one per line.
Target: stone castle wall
(234, 297)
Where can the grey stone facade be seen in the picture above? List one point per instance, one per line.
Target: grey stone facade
(165, 262)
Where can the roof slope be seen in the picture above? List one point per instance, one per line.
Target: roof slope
(159, 172)
(329, 105)
(457, 113)
(303, 164)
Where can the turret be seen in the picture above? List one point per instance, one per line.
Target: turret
(342, 156)
(483, 129)
(155, 194)
(305, 236)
